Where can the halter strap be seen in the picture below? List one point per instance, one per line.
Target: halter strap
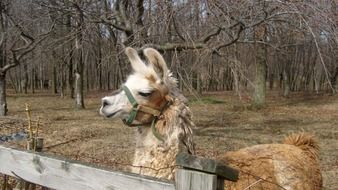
(136, 107)
(134, 104)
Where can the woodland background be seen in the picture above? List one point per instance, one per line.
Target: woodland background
(254, 71)
(72, 47)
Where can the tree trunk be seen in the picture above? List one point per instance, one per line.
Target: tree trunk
(108, 80)
(88, 82)
(32, 75)
(271, 81)
(3, 103)
(71, 54)
(79, 91)
(334, 81)
(62, 81)
(71, 76)
(99, 63)
(286, 84)
(100, 85)
(260, 78)
(261, 68)
(79, 71)
(33, 81)
(55, 90)
(25, 80)
(79, 80)
(199, 84)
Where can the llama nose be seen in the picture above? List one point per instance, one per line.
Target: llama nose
(105, 103)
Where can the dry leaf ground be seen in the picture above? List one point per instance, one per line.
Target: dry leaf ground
(223, 122)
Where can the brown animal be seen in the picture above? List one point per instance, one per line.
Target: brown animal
(151, 100)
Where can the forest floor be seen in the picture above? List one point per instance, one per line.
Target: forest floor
(223, 122)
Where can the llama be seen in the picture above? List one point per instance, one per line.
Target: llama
(151, 100)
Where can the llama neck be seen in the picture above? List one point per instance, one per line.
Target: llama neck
(176, 128)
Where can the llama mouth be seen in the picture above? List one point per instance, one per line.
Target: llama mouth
(112, 114)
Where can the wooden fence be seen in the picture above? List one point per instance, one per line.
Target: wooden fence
(193, 173)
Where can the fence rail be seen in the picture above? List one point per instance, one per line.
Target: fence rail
(58, 173)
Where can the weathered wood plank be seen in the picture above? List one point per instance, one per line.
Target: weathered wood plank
(195, 180)
(58, 173)
(206, 165)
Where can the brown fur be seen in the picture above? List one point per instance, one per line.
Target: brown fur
(277, 166)
(304, 141)
(157, 100)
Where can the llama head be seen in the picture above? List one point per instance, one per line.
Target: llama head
(149, 86)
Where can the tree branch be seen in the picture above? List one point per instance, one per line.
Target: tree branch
(176, 30)
(118, 19)
(121, 4)
(200, 44)
(30, 45)
(140, 11)
(212, 34)
(175, 46)
(234, 40)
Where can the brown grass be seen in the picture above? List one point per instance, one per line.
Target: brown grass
(223, 123)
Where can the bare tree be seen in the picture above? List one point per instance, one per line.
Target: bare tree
(18, 49)
(210, 45)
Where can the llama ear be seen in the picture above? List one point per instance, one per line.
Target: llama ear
(156, 60)
(136, 63)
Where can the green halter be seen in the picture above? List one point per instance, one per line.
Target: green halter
(135, 108)
(134, 105)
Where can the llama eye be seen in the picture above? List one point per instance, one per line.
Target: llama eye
(145, 94)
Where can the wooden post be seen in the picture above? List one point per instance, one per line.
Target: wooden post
(195, 180)
(5, 183)
(38, 144)
(198, 173)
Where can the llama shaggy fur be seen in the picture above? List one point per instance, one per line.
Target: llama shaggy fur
(291, 165)
(158, 158)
